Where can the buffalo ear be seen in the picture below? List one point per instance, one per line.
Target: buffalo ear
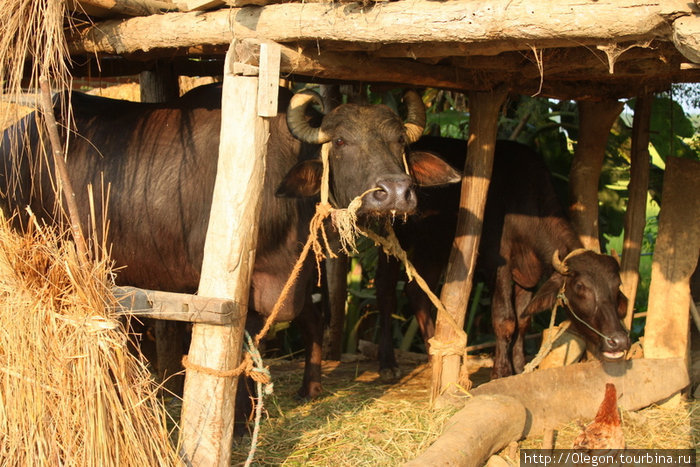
(302, 180)
(621, 305)
(429, 169)
(545, 297)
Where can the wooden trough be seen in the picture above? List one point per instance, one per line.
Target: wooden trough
(489, 48)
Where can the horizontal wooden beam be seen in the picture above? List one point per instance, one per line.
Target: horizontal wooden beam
(175, 306)
(512, 23)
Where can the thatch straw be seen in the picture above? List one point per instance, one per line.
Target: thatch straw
(32, 30)
(70, 392)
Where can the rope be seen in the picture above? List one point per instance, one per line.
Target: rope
(549, 341)
(458, 346)
(264, 373)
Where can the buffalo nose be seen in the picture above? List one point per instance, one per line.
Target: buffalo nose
(615, 345)
(618, 341)
(392, 194)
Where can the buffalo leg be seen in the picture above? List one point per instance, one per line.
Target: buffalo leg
(522, 298)
(385, 282)
(170, 347)
(311, 325)
(503, 319)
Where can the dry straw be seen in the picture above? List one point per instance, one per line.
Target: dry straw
(70, 391)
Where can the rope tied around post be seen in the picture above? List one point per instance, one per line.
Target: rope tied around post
(458, 346)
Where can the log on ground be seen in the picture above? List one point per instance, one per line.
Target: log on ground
(490, 420)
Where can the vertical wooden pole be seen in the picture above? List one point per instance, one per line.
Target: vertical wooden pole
(483, 125)
(161, 85)
(336, 268)
(675, 258)
(595, 121)
(229, 254)
(635, 217)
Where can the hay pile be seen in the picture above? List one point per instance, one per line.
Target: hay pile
(70, 392)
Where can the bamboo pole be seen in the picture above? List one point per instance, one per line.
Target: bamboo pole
(595, 121)
(484, 109)
(635, 217)
(62, 175)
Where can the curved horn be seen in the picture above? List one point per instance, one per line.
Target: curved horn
(558, 264)
(415, 121)
(296, 118)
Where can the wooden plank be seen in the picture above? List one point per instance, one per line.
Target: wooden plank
(636, 215)
(595, 121)
(229, 254)
(460, 272)
(156, 304)
(269, 78)
(675, 258)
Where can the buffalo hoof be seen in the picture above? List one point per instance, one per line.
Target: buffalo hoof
(312, 391)
(389, 375)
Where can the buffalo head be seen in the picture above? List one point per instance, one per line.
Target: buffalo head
(367, 155)
(589, 285)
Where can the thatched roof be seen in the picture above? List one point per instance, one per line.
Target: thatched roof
(559, 48)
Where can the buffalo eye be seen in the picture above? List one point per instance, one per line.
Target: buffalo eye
(402, 140)
(579, 288)
(338, 142)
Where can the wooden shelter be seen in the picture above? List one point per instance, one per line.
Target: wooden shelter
(595, 52)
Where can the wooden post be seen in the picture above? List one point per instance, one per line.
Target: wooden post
(675, 258)
(229, 254)
(595, 121)
(336, 268)
(636, 215)
(161, 85)
(483, 125)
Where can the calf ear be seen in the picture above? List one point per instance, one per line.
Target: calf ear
(621, 305)
(302, 180)
(545, 297)
(430, 170)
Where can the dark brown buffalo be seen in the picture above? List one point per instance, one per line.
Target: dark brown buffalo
(160, 161)
(524, 225)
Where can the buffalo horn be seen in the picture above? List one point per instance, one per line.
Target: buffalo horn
(296, 118)
(559, 266)
(415, 121)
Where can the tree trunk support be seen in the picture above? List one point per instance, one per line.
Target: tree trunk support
(161, 85)
(635, 217)
(675, 258)
(483, 125)
(595, 121)
(229, 255)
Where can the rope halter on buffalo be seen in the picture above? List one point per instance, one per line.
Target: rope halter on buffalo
(556, 332)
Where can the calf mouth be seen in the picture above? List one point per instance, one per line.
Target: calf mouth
(613, 355)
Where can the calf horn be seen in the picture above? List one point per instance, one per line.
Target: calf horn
(415, 121)
(296, 118)
(558, 264)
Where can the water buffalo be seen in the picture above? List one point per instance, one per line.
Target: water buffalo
(161, 159)
(525, 236)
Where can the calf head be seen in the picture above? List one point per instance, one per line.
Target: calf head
(367, 156)
(589, 284)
